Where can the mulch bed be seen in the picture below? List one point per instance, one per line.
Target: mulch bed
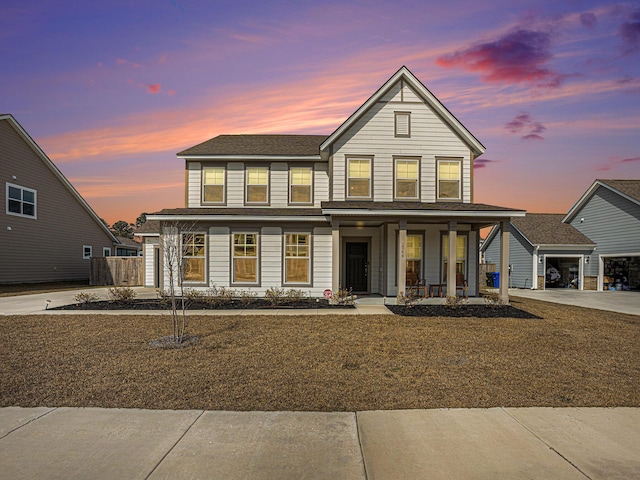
(571, 356)
(461, 311)
(154, 304)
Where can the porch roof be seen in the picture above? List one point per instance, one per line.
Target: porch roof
(261, 145)
(240, 214)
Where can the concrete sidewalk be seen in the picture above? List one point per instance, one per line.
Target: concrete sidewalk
(496, 443)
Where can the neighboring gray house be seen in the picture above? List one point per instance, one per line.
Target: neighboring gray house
(595, 246)
(48, 232)
(543, 251)
(609, 214)
(386, 198)
(127, 247)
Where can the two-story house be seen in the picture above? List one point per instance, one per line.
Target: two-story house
(385, 199)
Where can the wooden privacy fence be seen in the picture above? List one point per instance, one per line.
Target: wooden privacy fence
(117, 271)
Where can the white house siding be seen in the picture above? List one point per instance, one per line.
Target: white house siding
(194, 179)
(320, 184)
(235, 184)
(270, 258)
(322, 255)
(373, 135)
(150, 243)
(219, 256)
(279, 184)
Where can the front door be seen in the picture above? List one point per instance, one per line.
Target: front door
(357, 267)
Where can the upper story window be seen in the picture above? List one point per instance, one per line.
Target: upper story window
(301, 185)
(257, 185)
(449, 179)
(213, 180)
(21, 201)
(359, 178)
(402, 124)
(297, 258)
(245, 257)
(194, 257)
(407, 178)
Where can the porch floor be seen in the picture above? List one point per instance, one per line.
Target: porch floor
(380, 300)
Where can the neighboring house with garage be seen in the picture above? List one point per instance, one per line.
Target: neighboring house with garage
(48, 232)
(382, 202)
(595, 246)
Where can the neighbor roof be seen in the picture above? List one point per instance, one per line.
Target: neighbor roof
(548, 229)
(629, 189)
(262, 145)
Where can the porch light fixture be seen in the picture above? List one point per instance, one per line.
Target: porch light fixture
(540, 259)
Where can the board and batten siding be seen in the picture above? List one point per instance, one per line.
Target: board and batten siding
(373, 135)
(48, 248)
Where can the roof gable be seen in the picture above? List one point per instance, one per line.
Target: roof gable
(388, 91)
(548, 229)
(629, 189)
(49, 164)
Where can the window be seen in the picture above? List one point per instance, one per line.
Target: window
(245, 258)
(407, 178)
(21, 201)
(449, 179)
(297, 258)
(414, 256)
(300, 185)
(106, 252)
(402, 124)
(461, 255)
(359, 178)
(213, 184)
(87, 251)
(193, 257)
(257, 190)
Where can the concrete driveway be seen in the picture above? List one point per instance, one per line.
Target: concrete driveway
(616, 301)
(495, 443)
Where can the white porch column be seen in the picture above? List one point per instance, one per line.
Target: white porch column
(504, 261)
(335, 255)
(402, 257)
(452, 259)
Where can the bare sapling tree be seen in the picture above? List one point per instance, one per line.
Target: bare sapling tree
(180, 247)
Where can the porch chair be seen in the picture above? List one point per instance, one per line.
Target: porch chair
(415, 284)
(461, 285)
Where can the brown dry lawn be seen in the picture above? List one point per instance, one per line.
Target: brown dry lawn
(571, 357)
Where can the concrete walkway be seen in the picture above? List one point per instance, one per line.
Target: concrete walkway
(496, 443)
(616, 301)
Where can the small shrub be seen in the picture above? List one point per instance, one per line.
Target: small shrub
(121, 294)
(86, 298)
(216, 296)
(296, 295)
(408, 299)
(455, 301)
(343, 297)
(492, 300)
(246, 296)
(194, 296)
(276, 296)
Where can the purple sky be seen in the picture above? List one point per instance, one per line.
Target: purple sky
(112, 90)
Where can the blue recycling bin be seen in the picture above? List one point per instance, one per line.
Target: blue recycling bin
(496, 279)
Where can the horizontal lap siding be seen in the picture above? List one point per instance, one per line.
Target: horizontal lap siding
(521, 260)
(235, 184)
(320, 184)
(271, 257)
(373, 134)
(219, 256)
(48, 248)
(150, 243)
(194, 179)
(322, 255)
(279, 185)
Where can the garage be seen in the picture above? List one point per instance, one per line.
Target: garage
(562, 272)
(621, 273)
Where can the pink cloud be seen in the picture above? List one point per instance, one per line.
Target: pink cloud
(122, 61)
(613, 162)
(517, 57)
(483, 163)
(524, 122)
(630, 32)
(153, 88)
(171, 91)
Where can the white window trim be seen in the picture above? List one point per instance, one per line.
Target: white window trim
(395, 178)
(449, 160)
(35, 201)
(257, 257)
(284, 259)
(84, 255)
(291, 184)
(106, 252)
(246, 185)
(224, 185)
(370, 160)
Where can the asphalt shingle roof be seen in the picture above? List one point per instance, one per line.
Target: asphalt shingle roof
(446, 206)
(548, 229)
(267, 145)
(630, 188)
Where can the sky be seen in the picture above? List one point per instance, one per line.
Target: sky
(112, 90)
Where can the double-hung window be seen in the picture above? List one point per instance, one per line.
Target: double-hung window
(21, 201)
(297, 258)
(213, 180)
(245, 258)
(300, 185)
(449, 179)
(359, 178)
(257, 185)
(414, 256)
(407, 178)
(194, 254)
(461, 255)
